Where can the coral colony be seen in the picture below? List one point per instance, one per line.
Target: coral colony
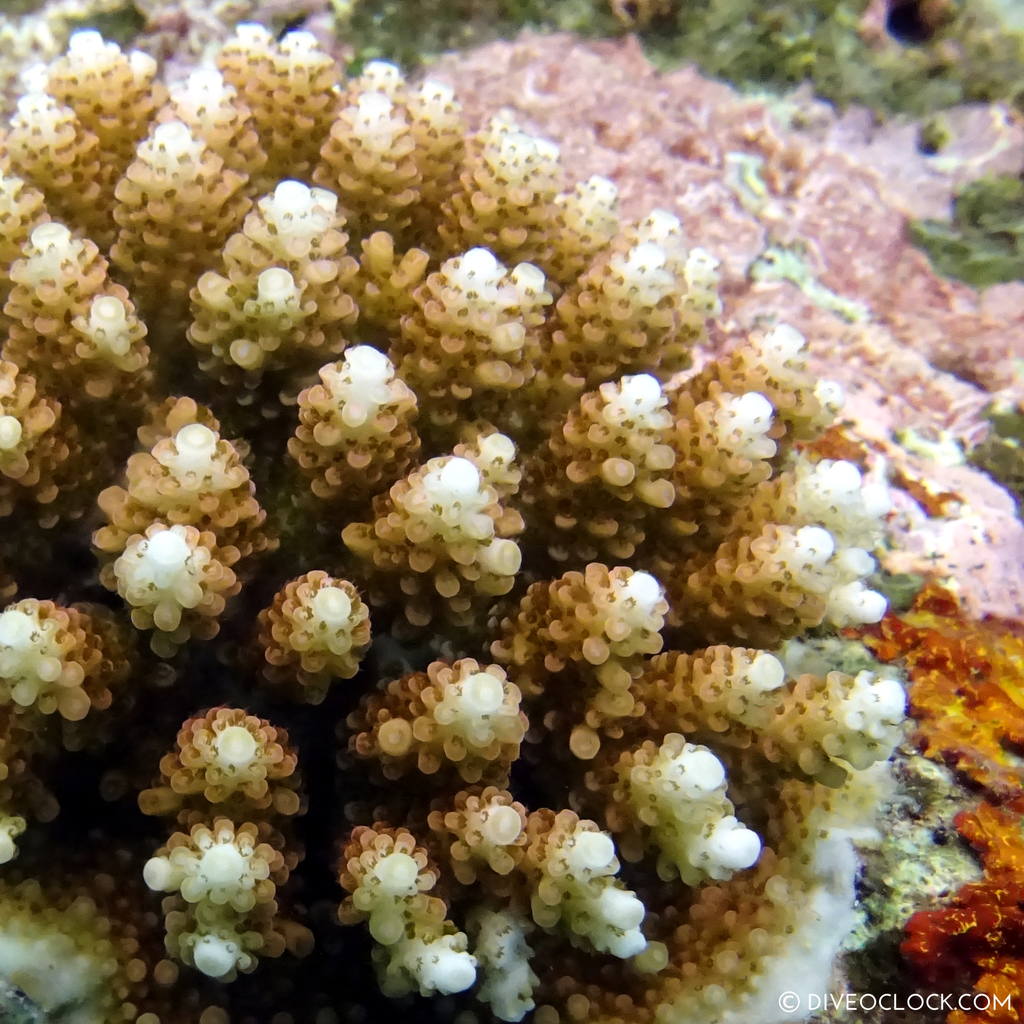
(320, 410)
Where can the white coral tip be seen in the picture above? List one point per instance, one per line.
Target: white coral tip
(158, 874)
(752, 410)
(460, 478)
(10, 432)
(853, 604)
(479, 261)
(703, 771)
(85, 41)
(733, 846)
(167, 549)
(643, 588)
(397, 873)
(50, 234)
(293, 197)
(223, 864)
(814, 543)
(642, 390)
(591, 851)
(502, 825)
(367, 367)
(331, 606)
(482, 694)
(215, 956)
(7, 848)
(235, 746)
(621, 908)
(766, 672)
(446, 970)
(16, 628)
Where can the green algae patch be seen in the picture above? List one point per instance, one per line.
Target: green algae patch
(984, 243)
(1001, 454)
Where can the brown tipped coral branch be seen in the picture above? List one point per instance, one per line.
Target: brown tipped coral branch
(823, 727)
(505, 199)
(368, 159)
(279, 299)
(672, 797)
(641, 305)
(483, 835)
(579, 642)
(50, 149)
(388, 877)
(391, 149)
(55, 659)
(176, 206)
(571, 865)
(723, 448)
(774, 584)
(290, 88)
(74, 327)
(594, 483)
(774, 363)
(228, 866)
(316, 630)
(462, 717)
(34, 450)
(439, 532)
(114, 97)
(230, 777)
(472, 339)
(386, 282)
(195, 478)
(588, 219)
(21, 209)
(174, 583)
(356, 432)
(213, 112)
(227, 758)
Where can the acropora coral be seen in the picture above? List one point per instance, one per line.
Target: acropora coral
(375, 537)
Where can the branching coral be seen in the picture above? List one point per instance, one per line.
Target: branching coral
(225, 873)
(499, 473)
(317, 629)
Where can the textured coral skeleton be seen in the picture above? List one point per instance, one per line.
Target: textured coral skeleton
(358, 418)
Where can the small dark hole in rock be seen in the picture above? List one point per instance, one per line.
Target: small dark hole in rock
(909, 21)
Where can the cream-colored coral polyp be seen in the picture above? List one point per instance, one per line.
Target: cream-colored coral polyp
(461, 719)
(356, 428)
(678, 791)
(173, 583)
(37, 668)
(572, 866)
(316, 631)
